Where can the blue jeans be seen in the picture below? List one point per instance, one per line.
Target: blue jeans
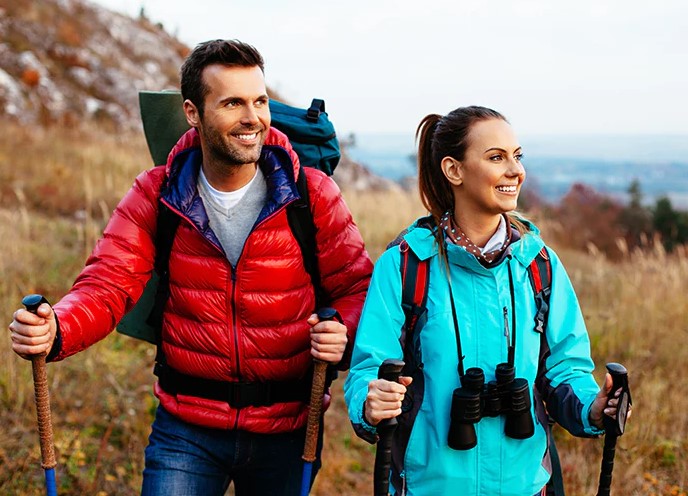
(185, 459)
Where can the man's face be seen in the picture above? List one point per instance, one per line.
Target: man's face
(236, 116)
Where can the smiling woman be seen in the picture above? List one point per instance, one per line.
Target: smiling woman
(479, 429)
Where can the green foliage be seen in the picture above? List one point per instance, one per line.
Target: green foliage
(670, 224)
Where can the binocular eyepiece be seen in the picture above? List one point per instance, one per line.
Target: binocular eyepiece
(507, 395)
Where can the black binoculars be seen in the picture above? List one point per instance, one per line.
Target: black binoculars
(474, 400)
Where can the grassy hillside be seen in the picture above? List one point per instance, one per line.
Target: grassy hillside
(58, 187)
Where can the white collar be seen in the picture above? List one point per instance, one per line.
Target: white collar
(497, 239)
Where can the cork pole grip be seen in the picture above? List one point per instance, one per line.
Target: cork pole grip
(315, 410)
(42, 397)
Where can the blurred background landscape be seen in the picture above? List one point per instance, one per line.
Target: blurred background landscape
(613, 206)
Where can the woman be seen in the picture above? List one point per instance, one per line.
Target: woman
(481, 307)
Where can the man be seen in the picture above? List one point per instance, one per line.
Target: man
(239, 333)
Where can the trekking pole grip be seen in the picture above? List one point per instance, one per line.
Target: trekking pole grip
(390, 370)
(317, 394)
(41, 393)
(614, 428)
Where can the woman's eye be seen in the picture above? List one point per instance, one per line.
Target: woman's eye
(518, 157)
(496, 158)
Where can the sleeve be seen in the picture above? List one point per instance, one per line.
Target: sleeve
(565, 377)
(115, 273)
(345, 267)
(378, 338)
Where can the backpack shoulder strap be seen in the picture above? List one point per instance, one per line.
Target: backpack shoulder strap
(414, 286)
(303, 228)
(166, 230)
(414, 296)
(540, 275)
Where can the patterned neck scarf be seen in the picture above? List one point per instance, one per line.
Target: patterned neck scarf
(455, 234)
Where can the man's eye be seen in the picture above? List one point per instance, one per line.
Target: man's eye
(261, 103)
(232, 103)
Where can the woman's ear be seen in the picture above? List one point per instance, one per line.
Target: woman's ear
(191, 113)
(453, 170)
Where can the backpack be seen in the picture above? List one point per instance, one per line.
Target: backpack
(315, 143)
(414, 294)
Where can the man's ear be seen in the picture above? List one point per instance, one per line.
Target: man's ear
(191, 112)
(453, 170)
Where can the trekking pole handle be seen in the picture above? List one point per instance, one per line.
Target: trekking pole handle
(614, 427)
(390, 370)
(619, 381)
(41, 393)
(317, 394)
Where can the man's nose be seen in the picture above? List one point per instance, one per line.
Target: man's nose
(249, 115)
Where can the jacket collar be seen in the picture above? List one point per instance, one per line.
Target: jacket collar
(421, 239)
(183, 167)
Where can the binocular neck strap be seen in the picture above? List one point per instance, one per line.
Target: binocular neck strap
(456, 326)
(511, 344)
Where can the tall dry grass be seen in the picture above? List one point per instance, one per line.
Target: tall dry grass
(50, 216)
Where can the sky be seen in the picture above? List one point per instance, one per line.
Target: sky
(551, 66)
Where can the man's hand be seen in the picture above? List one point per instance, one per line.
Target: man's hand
(33, 334)
(328, 339)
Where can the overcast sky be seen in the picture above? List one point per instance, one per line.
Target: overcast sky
(551, 66)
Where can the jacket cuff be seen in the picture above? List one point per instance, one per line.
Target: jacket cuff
(361, 426)
(589, 428)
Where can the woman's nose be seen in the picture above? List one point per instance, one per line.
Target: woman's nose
(516, 168)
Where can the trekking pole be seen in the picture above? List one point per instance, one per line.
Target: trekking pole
(390, 370)
(315, 409)
(42, 398)
(614, 428)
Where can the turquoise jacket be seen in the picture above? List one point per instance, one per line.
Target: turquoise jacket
(498, 465)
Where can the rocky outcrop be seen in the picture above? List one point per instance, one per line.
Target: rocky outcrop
(65, 61)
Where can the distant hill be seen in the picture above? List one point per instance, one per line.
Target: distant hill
(608, 163)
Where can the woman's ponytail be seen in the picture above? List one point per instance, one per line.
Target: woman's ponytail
(435, 191)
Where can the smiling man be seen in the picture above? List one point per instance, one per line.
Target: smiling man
(239, 332)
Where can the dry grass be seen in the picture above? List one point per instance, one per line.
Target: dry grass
(636, 310)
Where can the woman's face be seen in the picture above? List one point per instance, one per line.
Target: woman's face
(489, 178)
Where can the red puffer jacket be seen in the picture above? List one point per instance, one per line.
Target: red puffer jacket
(243, 323)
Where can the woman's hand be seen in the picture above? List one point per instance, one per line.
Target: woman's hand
(384, 398)
(601, 406)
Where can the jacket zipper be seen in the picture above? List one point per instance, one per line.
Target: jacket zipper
(506, 327)
(233, 304)
(234, 322)
(233, 270)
